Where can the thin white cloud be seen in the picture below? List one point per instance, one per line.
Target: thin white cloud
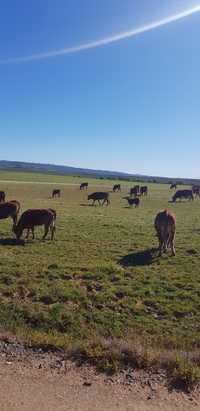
(103, 41)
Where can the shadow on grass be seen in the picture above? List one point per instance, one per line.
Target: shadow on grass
(87, 205)
(145, 257)
(11, 241)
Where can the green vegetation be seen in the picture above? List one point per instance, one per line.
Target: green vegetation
(101, 279)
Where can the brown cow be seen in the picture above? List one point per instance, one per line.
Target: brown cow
(116, 187)
(84, 186)
(36, 217)
(56, 193)
(2, 197)
(10, 209)
(165, 225)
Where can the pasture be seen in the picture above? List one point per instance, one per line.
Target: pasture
(101, 278)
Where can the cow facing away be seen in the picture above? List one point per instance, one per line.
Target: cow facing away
(133, 201)
(10, 209)
(165, 225)
(2, 197)
(98, 196)
(116, 187)
(143, 190)
(56, 193)
(183, 194)
(36, 217)
(84, 186)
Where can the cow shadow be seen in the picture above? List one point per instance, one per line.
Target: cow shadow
(145, 257)
(87, 205)
(11, 241)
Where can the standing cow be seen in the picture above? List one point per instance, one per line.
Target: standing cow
(98, 196)
(183, 194)
(116, 187)
(2, 197)
(143, 190)
(165, 225)
(56, 193)
(135, 190)
(10, 209)
(196, 191)
(84, 186)
(173, 186)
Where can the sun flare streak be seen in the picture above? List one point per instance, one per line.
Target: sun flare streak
(104, 41)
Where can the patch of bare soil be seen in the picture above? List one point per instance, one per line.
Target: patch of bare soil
(32, 379)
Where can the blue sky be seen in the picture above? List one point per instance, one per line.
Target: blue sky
(133, 105)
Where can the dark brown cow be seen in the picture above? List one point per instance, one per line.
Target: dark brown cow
(10, 209)
(133, 201)
(2, 197)
(56, 193)
(173, 186)
(183, 194)
(165, 225)
(143, 190)
(98, 196)
(84, 186)
(116, 187)
(196, 191)
(135, 190)
(36, 217)
(32, 227)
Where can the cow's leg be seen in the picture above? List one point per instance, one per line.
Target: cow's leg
(52, 229)
(46, 230)
(172, 243)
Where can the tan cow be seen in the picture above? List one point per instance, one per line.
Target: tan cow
(165, 225)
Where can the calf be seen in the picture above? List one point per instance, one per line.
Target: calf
(36, 217)
(10, 209)
(180, 194)
(99, 195)
(56, 193)
(116, 187)
(135, 201)
(84, 186)
(165, 225)
(2, 197)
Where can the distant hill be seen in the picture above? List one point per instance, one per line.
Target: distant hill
(66, 170)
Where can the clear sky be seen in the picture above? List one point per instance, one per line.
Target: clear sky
(133, 105)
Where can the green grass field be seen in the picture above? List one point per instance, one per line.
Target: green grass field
(101, 278)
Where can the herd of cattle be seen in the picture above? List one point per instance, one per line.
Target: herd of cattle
(165, 221)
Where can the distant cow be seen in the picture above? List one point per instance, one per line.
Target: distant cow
(133, 201)
(143, 190)
(10, 209)
(165, 225)
(135, 190)
(196, 191)
(36, 217)
(56, 193)
(173, 186)
(84, 186)
(2, 197)
(99, 196)
(116, 187)
(183, 194)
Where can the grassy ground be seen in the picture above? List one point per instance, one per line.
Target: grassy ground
(101, 277)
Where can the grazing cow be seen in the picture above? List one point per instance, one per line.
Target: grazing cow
(99, 196)
(173, 186)
(56, 193)
(165, 225)
(116, 187)
(84, 186)
(135, 190)
(36, 217)
(2, 197)
(135, 201)
(180, 194)
(143, 190)
(196, 191)
(10, 209)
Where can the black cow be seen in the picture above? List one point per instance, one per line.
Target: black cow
(133, 201)
(56, 193)
(98, 196)
(117, 187)
(143, 190)
(2, 197)
(84, 186)
(183, 194)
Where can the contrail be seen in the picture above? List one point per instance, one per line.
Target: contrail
(104, 41)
